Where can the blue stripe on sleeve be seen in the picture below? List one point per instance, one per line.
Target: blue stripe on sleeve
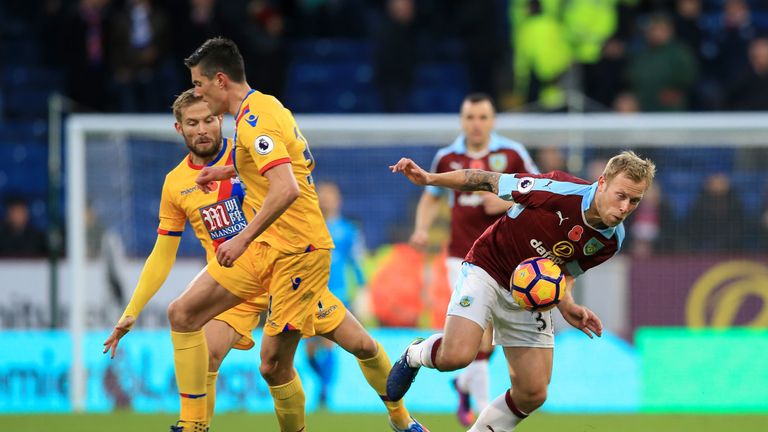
(507, 184)
(435, 190)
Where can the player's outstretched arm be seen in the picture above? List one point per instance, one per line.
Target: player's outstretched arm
(209, 175)
(154, 273)
(466, 180)
(577, 315)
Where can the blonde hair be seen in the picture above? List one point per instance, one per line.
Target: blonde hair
(633, 166)
(184, 100)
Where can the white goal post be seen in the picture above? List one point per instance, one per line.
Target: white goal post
(573, 132)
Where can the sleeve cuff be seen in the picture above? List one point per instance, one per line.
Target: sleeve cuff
(507, 183)
(434, 190)
(273, 164)
(169, 233)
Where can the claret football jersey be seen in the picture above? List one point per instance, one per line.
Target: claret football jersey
(547, 220)
(468, 217)
(215, 216)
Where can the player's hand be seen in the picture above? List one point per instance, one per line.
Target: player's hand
(120, 330)
(209, 175)
(582, 318)
(411, 170)
(419, 240)
(231, 250)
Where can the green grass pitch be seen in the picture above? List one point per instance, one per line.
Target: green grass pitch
(329, 422)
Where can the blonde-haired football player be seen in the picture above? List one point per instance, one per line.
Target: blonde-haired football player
(575, 223)
(214, 217)
(284, 250)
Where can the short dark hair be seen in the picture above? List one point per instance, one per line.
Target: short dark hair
(218, 55)
(479, 97)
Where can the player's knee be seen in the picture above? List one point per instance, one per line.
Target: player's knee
(366, 348)
(179, 318)
(267, 369)
(533, 397)
(273, 373)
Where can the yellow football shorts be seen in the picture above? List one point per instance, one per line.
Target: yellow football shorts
(296, 283)
(244, 318)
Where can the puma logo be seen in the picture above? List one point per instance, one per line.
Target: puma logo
(560, 215)
(490, 428)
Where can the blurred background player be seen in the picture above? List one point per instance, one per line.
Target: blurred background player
(478, 147)
(345, 258)
(576, 224)
(283, 250)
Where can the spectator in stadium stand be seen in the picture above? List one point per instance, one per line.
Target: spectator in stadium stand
(664, 71)
(18, 237)
(474, 23)
(82, 33)
(395, 55)
(598, 46)
(716, 220)
(688, 25)
(194, 22)
(258, 27)
(551, 158)
(542, 55)
(652, 226)
(732, 39)
(750, 92)
(626, 103)
(140, 59)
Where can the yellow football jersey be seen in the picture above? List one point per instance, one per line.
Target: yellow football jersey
(266, 136)
(215, 216)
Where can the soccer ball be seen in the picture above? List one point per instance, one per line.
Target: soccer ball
(537, 284)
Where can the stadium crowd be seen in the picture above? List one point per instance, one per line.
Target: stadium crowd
(664, 55)
(339, 56)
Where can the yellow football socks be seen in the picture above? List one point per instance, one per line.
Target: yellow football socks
(190, 355)
(210, 390)
(289, 405)
(376, 369)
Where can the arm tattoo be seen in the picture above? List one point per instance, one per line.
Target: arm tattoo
(479, 180)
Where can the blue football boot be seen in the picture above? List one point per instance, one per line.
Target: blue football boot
(413, 426)
(402, 375)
